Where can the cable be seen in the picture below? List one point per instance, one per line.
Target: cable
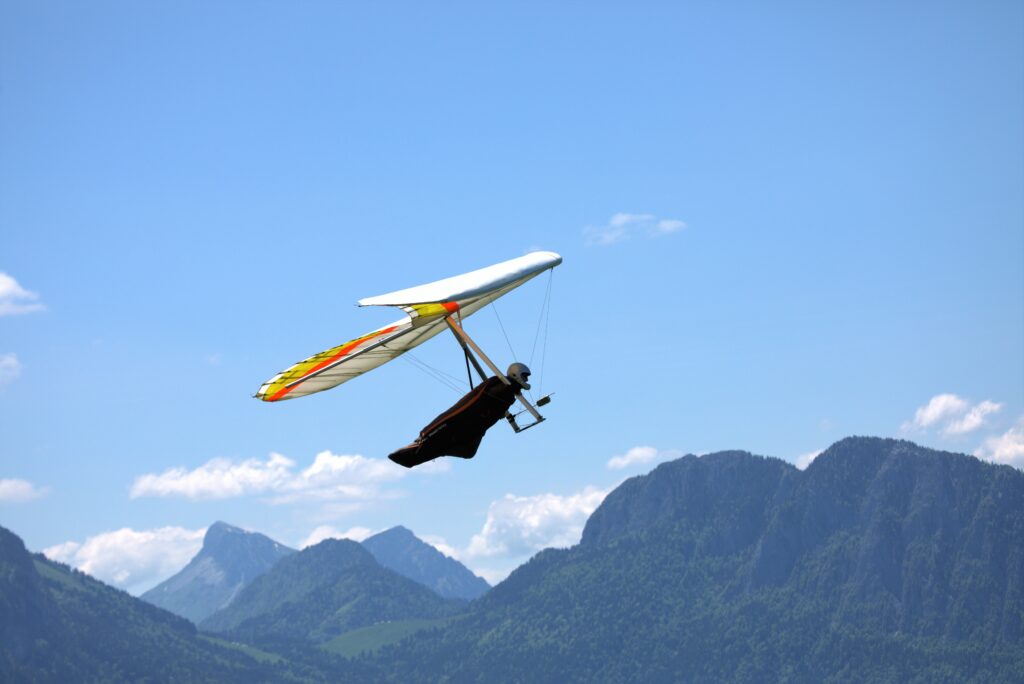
(446, 379)
(543, 320)
(502, 326)
(540, 318)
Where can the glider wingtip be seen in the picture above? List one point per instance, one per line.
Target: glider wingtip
(553, 256)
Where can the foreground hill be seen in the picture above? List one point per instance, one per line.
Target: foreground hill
(230, 559)
(58, 625)
(321, 592)
(883, 561)
(402, 551)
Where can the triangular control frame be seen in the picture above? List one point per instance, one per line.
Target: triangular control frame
(469, 347)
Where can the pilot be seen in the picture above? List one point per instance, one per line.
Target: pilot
(459, 430)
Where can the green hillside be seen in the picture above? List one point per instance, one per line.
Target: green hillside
(367, 640)
(228, 561)
(59, 625)
(321, 592)
(883, 561)
(402, 551)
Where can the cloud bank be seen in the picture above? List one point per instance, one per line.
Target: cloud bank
(523, 525)
(1007, 448)
(330, 477)
(10, 368)
(641, 455)
(19, 491)
(134, 560)
(622, 226)
(804, 460)
(15, 300)
(951, 415)
(327, 532)
(517, 527)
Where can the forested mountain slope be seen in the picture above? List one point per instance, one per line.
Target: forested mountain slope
(321, 592)
(402, 551)
(229, 560)
(883, 561)
(59, 625)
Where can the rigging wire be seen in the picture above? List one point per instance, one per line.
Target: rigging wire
(544, 317)
(546, 311)
(502, 326)
(459, 385)
(543, 323)
(446, 379)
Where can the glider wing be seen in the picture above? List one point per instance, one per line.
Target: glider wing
(427, 307)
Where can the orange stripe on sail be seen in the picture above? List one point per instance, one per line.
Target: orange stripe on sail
(344, 351)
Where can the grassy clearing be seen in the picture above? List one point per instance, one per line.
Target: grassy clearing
(370, 639)
(252, 652)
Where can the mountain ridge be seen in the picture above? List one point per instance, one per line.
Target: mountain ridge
(228, 561)
(881, 561)
(400, 550)
(321, 592)
(61, 625)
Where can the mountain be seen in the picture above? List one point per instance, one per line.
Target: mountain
(402, 551)
(59, 625)
(230, 559)
(321, 592)
(882, 561)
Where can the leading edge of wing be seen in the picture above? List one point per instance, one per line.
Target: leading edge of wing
(470, 285)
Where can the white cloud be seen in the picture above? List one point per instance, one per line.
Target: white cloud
(666, 226)
(940, 407)
(63, 552)
(134, 560)
(515, 528)
(641, 454)
(14, 299)
(804, 460)
(341, 477)
(494, 575)
(622, 226)
(1006, 448)
(974, 418)
(330, 477)
(219, 478)
(622, 219)
(952, 414)
(10, 368)
(19, 491)
(604, 235)
(521, 525)
(441, 545)
(327, 532)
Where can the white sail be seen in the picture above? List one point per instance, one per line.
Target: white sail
(426, 307)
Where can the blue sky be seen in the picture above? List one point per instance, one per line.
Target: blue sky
(194, 195)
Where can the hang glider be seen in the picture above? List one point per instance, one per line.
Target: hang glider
(429, 309)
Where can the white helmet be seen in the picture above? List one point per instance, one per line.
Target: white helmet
(520, 373)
